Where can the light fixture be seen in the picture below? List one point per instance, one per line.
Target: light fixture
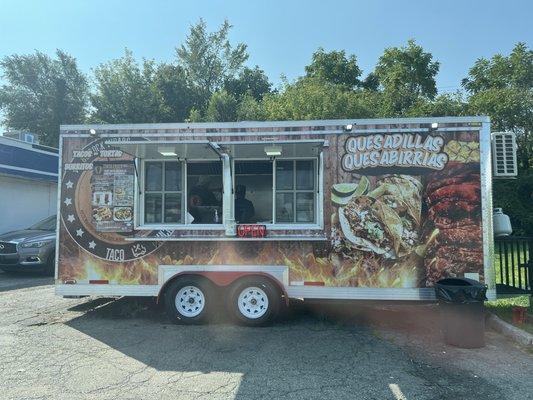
(348, 128)
(92, 131)
(434, 126)
(166, 151)
(273, 151)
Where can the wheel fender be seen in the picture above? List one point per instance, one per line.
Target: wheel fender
(224, 278)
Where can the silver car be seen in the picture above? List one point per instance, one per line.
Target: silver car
(30, 249)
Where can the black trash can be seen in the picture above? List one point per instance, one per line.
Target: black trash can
(462, 309)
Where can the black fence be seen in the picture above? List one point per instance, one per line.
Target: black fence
(513, 262)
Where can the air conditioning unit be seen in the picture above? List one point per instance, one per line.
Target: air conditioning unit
(504, 163)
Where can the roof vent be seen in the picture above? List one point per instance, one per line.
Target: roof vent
(504, 154)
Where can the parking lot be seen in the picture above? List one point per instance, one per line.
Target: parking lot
(125, 349)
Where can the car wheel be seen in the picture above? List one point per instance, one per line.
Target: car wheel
(50, 268)
(253, 301)
(188, 300)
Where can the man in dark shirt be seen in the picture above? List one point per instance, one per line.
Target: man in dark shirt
(244, 208)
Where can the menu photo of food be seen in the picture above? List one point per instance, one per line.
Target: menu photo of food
(102, 198)
(102, 213)
(122, 214)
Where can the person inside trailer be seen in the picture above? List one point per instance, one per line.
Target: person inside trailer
(203, 206)
(244, 208)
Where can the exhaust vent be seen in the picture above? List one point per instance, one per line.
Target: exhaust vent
(504, 154)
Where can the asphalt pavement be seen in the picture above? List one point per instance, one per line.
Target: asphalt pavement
(55, 348)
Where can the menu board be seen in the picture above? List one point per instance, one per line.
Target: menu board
(112, 186)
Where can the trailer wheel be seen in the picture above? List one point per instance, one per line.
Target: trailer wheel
(188, 300)
(253, 301)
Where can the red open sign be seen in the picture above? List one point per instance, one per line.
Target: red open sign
(258, 231)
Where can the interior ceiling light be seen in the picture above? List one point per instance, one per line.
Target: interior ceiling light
(273, 151)
(167, 151)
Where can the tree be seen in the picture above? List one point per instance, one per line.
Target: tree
(502, 88)
(222, 107)
(314, 98)
(249, 81)
(42, 92)
(512, 72)
(334, 67)
(406, 74)
(249, 109)
(123, 92)
(209, 59)
(444, 105)
(174, 95)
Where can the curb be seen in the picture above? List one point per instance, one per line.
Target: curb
(510, 331)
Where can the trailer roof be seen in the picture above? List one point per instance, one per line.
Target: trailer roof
(270, 124)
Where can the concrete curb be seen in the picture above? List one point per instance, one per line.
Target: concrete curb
(510, 331)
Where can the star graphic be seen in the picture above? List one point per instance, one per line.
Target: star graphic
(79, 232)
(70, 218)
(68, 201)
(92, 245)
(69, 185)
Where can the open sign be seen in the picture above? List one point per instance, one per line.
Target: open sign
(247, 230)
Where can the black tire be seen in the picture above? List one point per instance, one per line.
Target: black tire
(264, 316)
(184, 315)
(50, 268)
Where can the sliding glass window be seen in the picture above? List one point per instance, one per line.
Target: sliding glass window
(163, 183)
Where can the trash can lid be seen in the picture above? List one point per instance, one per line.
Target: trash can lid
(460, 290)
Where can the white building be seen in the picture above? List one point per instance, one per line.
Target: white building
(28, 183)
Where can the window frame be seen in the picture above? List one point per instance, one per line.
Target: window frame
(140, 222)
(318, 220)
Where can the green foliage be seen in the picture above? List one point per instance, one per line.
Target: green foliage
(209, 59)
(123, 91)
(174, 95)
(42, 93)
(334, 67)
(249, 109)
(406, 74)
(500, 72)
(314, 98)
(222, 107)
(249, 81)
(443, 105)
(516, 199)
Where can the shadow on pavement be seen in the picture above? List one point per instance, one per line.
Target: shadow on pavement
(315, 351)
(21, 280)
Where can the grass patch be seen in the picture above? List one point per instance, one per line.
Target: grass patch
(503, 308)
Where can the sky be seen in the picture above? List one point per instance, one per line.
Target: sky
(281, 35)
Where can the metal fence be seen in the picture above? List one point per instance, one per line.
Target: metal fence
(513, 262)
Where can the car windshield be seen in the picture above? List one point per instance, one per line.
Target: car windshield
(47, 224)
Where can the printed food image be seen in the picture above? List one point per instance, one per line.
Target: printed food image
(410, 230)
(102, 198)
(119, 192)
(462, 151)
(122, 214)
(102, 214)
(385, 221)
(454, 199)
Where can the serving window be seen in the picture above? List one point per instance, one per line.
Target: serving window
(276, 191)
(177, 192)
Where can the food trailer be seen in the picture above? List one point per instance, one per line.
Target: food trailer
(263, 212)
